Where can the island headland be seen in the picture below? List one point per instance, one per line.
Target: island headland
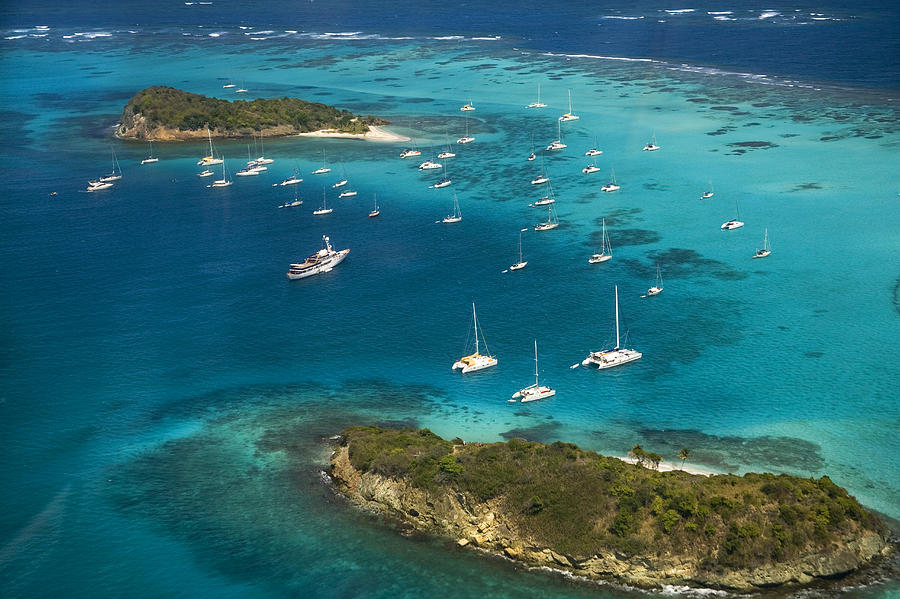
(163, 113)
(599, 517)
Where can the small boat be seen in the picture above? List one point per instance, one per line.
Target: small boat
(116, 173)
(322, 261)
(261, 160)
(541, 179)
(292, 180)
(211, 158)
(605, 248)
(521, 263)
(223, 182)
(228, 86)
(476, 361)
(658, 286)
(536, 391)
(375, 211)
(410, 153)
(241, 89)
(537, 104)
(347, 194)
(544, 201)
(594, 151)
(569, 116)
(205, 173)
(446, 154)
(97, 186)
(340, 183)
(445, 182)
(151, 158)
(467, 106)
(608, 358)
(591, 168)
(708, 194)
(466, 139)
(532, 156)
(252, 169)
(557, 144)
(324, 209)
(552, 220)
(293, 203)
(324, 169)
(429, 165)
(766, 250)
(456, 216)
(651, 147)
(736, 223)
(612, 185)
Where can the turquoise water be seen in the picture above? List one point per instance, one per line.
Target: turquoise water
(168, 395)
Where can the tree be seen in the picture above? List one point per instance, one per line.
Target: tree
(638, 454)
(654, 459)
(683, 453)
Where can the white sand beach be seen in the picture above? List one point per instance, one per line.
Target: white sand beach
(374, 134)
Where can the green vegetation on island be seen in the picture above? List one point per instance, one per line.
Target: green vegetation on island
(580, 503)
(168, 111)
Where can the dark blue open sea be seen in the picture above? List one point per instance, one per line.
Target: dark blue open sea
(167, 396)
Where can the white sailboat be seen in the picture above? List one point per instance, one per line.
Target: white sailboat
(97, 186)
(262, 154)
(151, 158)
(651, 147)
(205, 173)
(250, 170)
(552, 220)
(223, 182)
(456, 216)
(536, 391)
(612, 185)
(708, 194)
(291, 180)
(466, 139)
(569, 116)
(430, 165)
(375, 211)
(210, 159)
(467, 106)
(445, 182)
(766, 250)
(347, 193)
(475, 361)
(605, 248)
(542, 178)
(410, 153)
(324, 169)
(658, 286)
(324, 209)
(293, 203)
(557, 144)
(608, 358)
(591, 168)
(521, 263)
(594, 151)
(448, 153)
(537, 104)
(735, 223)
(116, 173)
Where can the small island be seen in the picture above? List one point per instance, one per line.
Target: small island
(600, 517)
(164, 113)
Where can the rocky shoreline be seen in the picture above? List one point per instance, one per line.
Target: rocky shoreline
(487, 526)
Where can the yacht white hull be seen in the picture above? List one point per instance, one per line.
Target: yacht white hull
(611, 358)
(347, 194)
(149, 160)
(519, 265)
(321, 171)
(210, 161)
(444, 183)
(465, 140)
(479, 363)
(650, 148)
(598, 258)
(545, 226)
(533, 393)
(610, 188)
(340, 183)
(761, 253)
(593, 152)
(289, 182)
(654, 291)
(322, 211)
(297, 271)
(540, 180)
(731, 225)
(590, 169)
(443, 155)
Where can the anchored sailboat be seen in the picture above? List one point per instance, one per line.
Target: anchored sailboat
(521, 263)
(557, 144)
(605, 248)
(211, 158)
(569, 116)
(475, 361)
(612, 185)
(735, 223)
(766, 250)
(456, 216)
(608, 358)
(658, 286)
(535, 391)
(537, 104)
(151, 158)
(651, 147)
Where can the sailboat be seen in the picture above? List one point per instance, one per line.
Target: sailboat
(569, 116)
(324, 209)
(557, 143)
(736, 223)
(324, 169)
(612, 185)
(608, 358)
(295, 202)
(250, 170)
(545, 200)
(429, 165)
(410, 152)
(475, 361)
(594, 151)
(466, 139)
(552, 220)
(456, 216)
(151, 158)
(605, 248)
(708, 194)
(658, 286)
(542, 178)
(205, 173)
(223, 182)
(766, 250)
(521, 263)
(262, 154)
(535, 391)
(116, 173)
(291, 180)
(347, 193)
(651, 147)
(241, 89)
(443, 182)
(375, 212)
(537, 104)
(591, 168)
(448, 153)
(467, 106)
(210, 159)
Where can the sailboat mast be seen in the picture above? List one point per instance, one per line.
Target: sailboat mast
(617, 317)
(475, 320)
(535, 364)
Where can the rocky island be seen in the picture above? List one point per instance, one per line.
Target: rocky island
(167, 114)
(599, 517)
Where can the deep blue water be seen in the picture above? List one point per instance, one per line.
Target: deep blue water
(166, 396)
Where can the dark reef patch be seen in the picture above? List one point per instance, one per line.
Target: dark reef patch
(544, 433)
(624, 237)
(814, 354)
(681, 263)
(728, 108)
(620, 217)
(806, 187)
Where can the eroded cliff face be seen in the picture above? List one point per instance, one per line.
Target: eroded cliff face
(484, 525)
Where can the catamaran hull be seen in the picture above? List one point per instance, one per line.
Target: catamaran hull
(466, 368)
(603, 360)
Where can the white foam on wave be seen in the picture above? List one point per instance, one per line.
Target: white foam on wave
(14, 37)
(720, 12)
(723, 18)
(679, 11)
(489, 39)
(598, 57)
(42, 27)
(38, 35)
(768, 14)
(447, 37)
(217, 33)
(623, 18)
(290, 31)
(670, 589)
(265, 32)
(342, 33)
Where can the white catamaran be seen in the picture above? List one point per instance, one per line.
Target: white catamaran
(605, 248)
(536, 391)
(475, 361)
(211, 158)
(608, 358)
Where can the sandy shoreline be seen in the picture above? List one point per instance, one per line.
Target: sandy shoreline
(670, 466)
(374, 134)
